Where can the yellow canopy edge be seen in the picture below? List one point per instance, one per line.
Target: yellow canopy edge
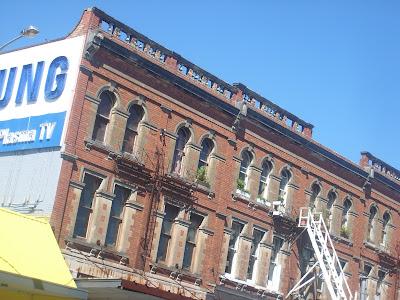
(28, 248)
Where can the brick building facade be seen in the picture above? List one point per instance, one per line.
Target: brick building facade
(170, 177)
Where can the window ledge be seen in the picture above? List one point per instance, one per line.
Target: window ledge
(205, 188)
(250, 203)
(92, 144)
(176, 274)
(248, 287)
(102, 252)
(341, 239)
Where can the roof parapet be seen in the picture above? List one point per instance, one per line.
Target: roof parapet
(196, 75)
(370, 161)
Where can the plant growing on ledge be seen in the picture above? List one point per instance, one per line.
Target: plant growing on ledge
(344, 232)
(201, 176)
(240, 184)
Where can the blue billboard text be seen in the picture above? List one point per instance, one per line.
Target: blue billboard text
(29, 83)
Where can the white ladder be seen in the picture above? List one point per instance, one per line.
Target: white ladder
(326, 256)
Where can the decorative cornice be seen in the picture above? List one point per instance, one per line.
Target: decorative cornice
(182, 222)
(92, 99)
(227, 230)
(166, 109)
(77, 184)
(169, 134)
(221, 215)
(255, 168)
(85, 70)
(246, 238)
(135, 205)
(105, 195)
(206, 231)
(232, 142)
(68, 156)
(194, 146)
(120, 112)
(237, 159)
(293, 186)
(148, 125)
(218, 157)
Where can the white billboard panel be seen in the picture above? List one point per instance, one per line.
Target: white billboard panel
(37, 85)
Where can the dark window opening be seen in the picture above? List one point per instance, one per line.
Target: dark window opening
(136, 114)
(195, 222)
(92, 184)
(121, 196)
(107, 100)
(171, 212)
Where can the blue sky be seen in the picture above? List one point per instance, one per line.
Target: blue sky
(335, 64)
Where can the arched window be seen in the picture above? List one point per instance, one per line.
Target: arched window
(207, 146)
(371, 222)
(283, 186)
(179, 153)
(136, 114)
(344, 231)
(247, 157)
(315, 190)
(329, 208)
(386, 221)
(107, 101)
(264, 179)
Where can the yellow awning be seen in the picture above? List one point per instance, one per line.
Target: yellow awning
(31, 259)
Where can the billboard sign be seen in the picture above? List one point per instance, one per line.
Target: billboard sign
(37, 86)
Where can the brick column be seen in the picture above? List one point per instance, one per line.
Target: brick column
(378, 231)
(203, 238)
(242, 256)
(91, 113)
(176, 247)
(190, 161)
(76, 191)
(144, 131)
(156, 235)
(97, 229)
(170, 140)
(224, 250)
(132, 207)
(215, 162)
(235, 171)
(116, 128)
(261, 267)
(273, 189)
(291, 189)
(308, 194)
(254, 181)
(351, 223)
(336, 222)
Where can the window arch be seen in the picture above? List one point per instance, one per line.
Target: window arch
(315, 191)
(207, 146)
(283, 185)
(247, 157)
(107, 101)
(264, 178)
(373, 211)
(179, 153)
(136, 114)
(386, 221)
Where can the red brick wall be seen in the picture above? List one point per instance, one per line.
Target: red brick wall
(282, 149)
